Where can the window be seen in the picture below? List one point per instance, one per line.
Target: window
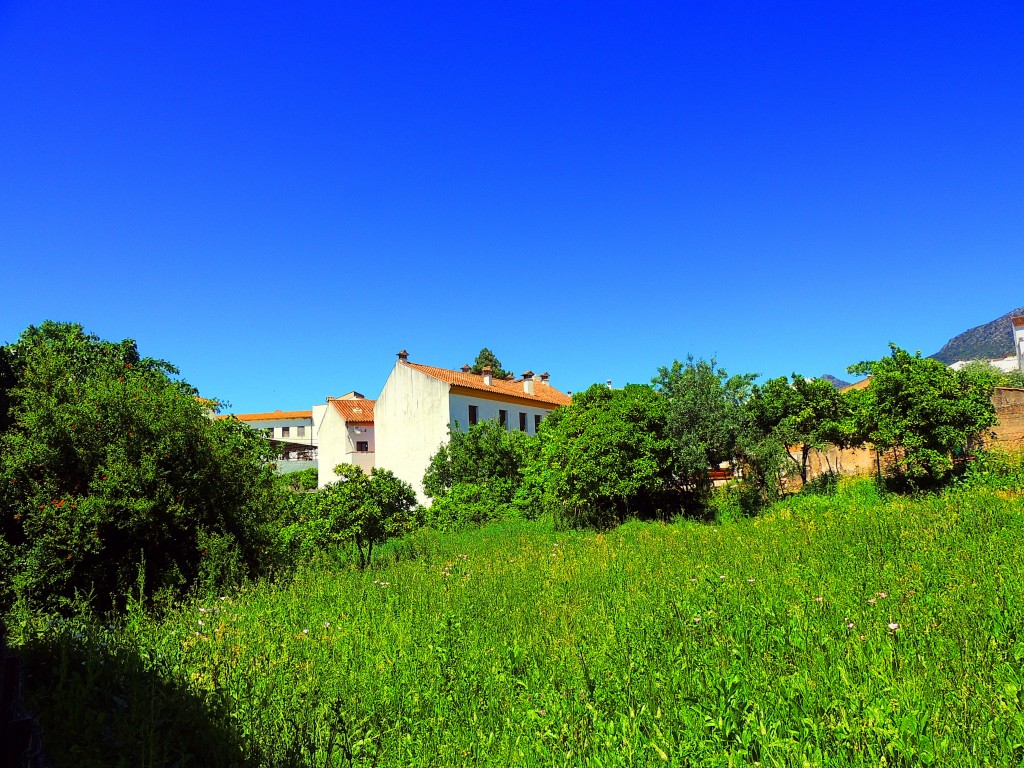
(269, 431)
(536, 422)
(522, 422)
(285, 431)
(473, 415)
(300, 432)
(363, 446)
(503, 418)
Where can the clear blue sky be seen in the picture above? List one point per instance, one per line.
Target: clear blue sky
(279, 197)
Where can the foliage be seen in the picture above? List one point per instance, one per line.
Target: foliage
(704, 410)
(784, 421)
(923, 412)
(474, 477)
(854, 630)
(986, 374)
(359, 509)
(486, 358)
(110, 466)
(303, 480)
(607, 457)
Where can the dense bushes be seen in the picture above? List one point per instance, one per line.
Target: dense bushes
(110, 466)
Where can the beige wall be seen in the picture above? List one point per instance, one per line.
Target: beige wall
(1009, 431)
(411, 423)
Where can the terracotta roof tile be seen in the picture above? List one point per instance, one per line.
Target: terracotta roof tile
(273, 416)
(357, 410)
(542, 393)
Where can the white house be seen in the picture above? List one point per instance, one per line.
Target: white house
(291, 431)
(419, 402)
(345, 434)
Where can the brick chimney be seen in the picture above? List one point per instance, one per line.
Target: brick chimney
(488, 375)
(528, 382)
(403, 356)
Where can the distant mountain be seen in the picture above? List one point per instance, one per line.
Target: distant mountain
(986, 342)
(837, 383)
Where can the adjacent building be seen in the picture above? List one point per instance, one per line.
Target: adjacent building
(345, 434)
(292, 433)
(419, 402)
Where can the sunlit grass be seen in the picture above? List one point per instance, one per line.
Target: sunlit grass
(845, 630)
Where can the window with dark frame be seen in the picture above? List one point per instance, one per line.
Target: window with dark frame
(300, 432)
(362, 446)
(503, 418)
(522, 422)
(286, 431)
(473, 414)
(536, 421)
(269, 431)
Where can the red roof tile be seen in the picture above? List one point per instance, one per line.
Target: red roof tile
(356, 411)
(543, 394)
(274, 416)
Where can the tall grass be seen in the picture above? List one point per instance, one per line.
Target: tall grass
(835, 630)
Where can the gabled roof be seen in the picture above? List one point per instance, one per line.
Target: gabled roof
(543, 394)
(274, 416)
(355, 411)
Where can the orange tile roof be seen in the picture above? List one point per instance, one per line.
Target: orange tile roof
(1017, 321)
(269, 416)
(543, 394)
(356, 411)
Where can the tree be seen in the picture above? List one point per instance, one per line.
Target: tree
(608, 457)
(358, 509)
(784, 421)
(474, 477)
(704, 407)
(487, 358)
(109, 465)
(923, 412)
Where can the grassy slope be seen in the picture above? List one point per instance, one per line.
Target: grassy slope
(688, 643)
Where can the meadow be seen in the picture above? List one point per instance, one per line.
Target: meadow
(851, 629)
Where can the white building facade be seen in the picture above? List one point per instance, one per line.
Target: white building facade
(345, 434)
(419, 402)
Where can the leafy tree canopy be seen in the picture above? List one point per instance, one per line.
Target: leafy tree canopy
(108, 465)
(703, 405)
(488, 358)
(923, 411)
(608, 457)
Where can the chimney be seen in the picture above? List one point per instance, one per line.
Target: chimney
(403, 356)
(510, 377)
(1018, 340)
(544, 378)
(488, 375)
(528, 382)
(465, 368)
(609, 383)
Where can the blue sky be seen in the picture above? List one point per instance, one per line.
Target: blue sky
(278, 199)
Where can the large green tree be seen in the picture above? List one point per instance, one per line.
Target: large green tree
(703, 420)
(922, 412)
(607, 457)
(475, 476)
(109, 465)
(485, 359)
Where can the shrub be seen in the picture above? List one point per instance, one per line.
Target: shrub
(109, 464)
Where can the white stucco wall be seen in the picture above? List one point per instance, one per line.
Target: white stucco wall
(488, 410)
(411, 422)
(365, 459)
(333, 450)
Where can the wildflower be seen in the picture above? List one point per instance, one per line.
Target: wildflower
(872, 600)
(722, 577)
(819, 599)
(305, 631)
(696, 619)
(202, 623)
(693, 581)
(327, 625)
(850, 625)
(882, 595)
(750, 581)
(862, 638)
(893, 626)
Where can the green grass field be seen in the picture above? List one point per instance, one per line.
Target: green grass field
(844, 630)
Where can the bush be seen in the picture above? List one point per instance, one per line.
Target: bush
(110, 465)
